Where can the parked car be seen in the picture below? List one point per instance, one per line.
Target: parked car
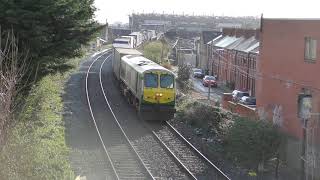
(246, 100)
(237, 95)
(209, 80)
(198, 73)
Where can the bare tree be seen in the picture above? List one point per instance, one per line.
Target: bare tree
(14, 64)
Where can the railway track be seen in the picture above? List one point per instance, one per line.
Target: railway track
(193, 161)
(124, 159)
(156, 158)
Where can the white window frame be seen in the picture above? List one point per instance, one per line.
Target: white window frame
(310, 49)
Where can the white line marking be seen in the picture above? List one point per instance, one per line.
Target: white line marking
(94, 121)
(114, 116)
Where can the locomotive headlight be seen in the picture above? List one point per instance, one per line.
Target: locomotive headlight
(159, 94)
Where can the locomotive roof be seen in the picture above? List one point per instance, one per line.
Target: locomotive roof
(142, 64)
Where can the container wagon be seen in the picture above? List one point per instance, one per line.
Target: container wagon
(118, 53)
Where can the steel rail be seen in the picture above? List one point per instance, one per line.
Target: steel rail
(174, 156)
(197, 151)
(116, 119)
(93, 118)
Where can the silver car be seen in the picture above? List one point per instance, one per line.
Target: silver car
(237, 95)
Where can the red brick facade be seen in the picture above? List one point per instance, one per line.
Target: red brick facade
(234, 57)
(284, 72)
(238, 108)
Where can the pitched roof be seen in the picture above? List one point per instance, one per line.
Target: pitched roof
(237, 43)
(226, 41)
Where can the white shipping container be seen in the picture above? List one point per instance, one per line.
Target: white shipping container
(117, 55)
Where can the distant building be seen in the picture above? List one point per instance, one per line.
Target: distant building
(202, 48)
(229, 25)
(167, 22)
(289, 67)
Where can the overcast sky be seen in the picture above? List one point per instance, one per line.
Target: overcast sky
(119, 10)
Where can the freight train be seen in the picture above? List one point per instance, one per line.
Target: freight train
(135, 39)
(149, 87)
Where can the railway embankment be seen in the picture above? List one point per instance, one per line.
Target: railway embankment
(229, 140)
(36, 147)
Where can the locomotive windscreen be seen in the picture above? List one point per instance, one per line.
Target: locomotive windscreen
(166, 81)
(151, 80)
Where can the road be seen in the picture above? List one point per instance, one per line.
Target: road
(215, 93)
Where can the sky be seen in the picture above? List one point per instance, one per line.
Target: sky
(119, 10)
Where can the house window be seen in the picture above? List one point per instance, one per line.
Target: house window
(310, 49)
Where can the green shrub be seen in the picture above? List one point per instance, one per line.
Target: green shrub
(199, 115)
(183, 78)
(184, 73)
(252, 142)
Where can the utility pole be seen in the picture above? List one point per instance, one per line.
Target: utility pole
(209, 87)
(304, 112)
(303, 150)
(178, 51)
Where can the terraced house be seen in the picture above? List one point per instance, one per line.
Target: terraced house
(233, 58)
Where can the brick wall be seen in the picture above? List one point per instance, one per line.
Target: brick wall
(284, 72)
(240, 109)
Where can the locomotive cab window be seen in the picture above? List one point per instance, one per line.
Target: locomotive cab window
(166, 81)
(151, 80)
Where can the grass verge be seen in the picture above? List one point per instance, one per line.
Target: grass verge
(36, 146)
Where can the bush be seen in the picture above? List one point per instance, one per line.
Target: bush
(252, 142)
(199, 115)
(183, 78)
(184, 73)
